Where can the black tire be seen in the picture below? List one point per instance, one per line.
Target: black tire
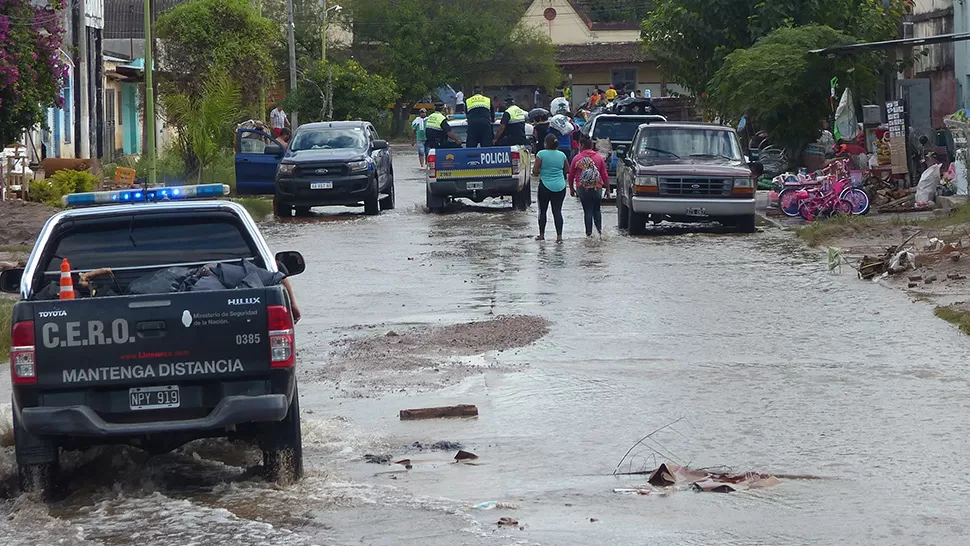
(435, 203)
(281, 209)
(283, 446)
(636, 223)
(372, 204)
(520, 200)
(745, 224)
(622, 214)
(34, 477)
(389, 202)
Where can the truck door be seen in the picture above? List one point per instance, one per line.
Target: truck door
(255, 170)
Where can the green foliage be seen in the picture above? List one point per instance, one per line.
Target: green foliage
(524, 56)
(692, 38)
(357, 93)
(783, 88)
(50, 190)
(956, 315)
(616, 11)
(201, 37)
(6, 316)
(424, 44)
(31, 69)
(206, 123)
(258, 207)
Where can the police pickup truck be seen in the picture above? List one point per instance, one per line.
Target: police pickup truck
(152, 321)
(477, 174)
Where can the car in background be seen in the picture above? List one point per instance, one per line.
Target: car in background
(619, 129)
(334, 163)
(685, 172)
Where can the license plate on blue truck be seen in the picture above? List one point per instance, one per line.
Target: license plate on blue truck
(474, 185)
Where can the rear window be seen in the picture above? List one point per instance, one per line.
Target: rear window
(616, 129)
(132, 242)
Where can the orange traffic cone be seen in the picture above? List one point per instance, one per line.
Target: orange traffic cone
(67, 285)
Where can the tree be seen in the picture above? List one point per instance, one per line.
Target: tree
(202, 37)
(341, 91)
(692, 38)
(783, 88)
(424, 44)
(612, 11)
(31, 71)
(205, 123)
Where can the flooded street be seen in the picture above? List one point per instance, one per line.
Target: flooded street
(853, 395)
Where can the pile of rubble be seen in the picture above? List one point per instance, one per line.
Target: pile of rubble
(934, 253)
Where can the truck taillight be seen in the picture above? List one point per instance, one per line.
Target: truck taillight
(23, 369)
(281, 339)
(432, 171)
(515, 163)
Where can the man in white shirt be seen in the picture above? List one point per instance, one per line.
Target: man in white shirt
(278, 120)
(460, 101)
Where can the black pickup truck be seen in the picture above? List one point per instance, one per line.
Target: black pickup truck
(179, 329)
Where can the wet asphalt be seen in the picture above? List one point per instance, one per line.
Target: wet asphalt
(762, 359)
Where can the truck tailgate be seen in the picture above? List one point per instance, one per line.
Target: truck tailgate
(478, 163)
(146, 339)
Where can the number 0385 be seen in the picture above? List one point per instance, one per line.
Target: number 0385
(247, 339)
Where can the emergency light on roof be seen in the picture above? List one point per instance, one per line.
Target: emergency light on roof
(171, 193)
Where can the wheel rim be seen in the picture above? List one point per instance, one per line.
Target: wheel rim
(788, 203)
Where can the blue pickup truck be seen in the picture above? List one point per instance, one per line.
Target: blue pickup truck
(255, 170)
(477, 174)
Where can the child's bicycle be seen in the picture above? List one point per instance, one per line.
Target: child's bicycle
(823, 202)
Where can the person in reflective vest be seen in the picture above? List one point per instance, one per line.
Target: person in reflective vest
(478, 110)
(437, 131)
(511, 132)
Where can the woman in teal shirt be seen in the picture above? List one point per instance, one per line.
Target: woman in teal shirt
(552, 168)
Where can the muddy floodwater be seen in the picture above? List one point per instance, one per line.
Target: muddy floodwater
(854, 395)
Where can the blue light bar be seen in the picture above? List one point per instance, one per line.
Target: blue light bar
(151, 195)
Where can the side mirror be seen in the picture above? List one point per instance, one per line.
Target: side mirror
(380, 145)
(757, 168)
(292, 261)
(273, 149)
(10, 280)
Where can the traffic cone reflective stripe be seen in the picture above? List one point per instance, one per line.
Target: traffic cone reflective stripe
(67, 285)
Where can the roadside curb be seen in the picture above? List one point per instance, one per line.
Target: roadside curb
(771, 221)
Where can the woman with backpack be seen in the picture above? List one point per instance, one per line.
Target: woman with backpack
(588, 177)
(551, 167)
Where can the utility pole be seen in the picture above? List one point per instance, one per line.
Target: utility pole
(323, 33)
(292, 40)
(84, 101)
(149, 96)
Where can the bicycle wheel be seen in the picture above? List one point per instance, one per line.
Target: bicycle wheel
(808, 210)
(858, 198)
(788, 202)
(843, 207)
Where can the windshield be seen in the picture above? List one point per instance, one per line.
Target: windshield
(329, 138)
(616, 129)
(681, 143)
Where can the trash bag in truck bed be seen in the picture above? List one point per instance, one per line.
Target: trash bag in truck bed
(221, 276)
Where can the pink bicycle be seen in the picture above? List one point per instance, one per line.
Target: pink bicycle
(824, 202)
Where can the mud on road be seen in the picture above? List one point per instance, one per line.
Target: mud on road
(425, 357)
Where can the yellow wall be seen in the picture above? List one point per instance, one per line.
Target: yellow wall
(568, 27)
